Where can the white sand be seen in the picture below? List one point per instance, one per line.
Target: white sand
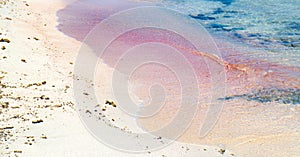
(38, 52)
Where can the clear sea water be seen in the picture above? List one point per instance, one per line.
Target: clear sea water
(269, 26)
(267, 29)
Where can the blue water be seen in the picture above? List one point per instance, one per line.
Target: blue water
(267, 29)
(272, 26)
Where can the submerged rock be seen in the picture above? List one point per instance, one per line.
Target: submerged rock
(202, 17)
(285, 96)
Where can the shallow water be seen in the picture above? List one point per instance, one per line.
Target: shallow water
(271, 25)
(258, 53)
(269, 30)
(272, 65)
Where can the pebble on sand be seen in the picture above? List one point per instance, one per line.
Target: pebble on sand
(36, 121)
(4, 40)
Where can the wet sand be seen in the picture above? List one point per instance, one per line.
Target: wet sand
(251, 123)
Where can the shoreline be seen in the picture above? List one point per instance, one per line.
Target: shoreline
(38, 113)
(37, 105)
(243, 124)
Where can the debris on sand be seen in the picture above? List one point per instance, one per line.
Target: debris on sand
(23, 60)
(222, 151)
(17, 151)
(36, 121)
(35, 84)
(4, 40)
(7, 18)
(111, 103)
(43, 136)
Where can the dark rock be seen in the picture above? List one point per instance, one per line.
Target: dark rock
(17, 151)
(44, 136)
(222, 151)
(4, 105)
(226, 2)
(8, 127)
(285, 96)
(110, 103)
(36, 121)
(295, 45)
(4, 40)
(218, 26)
(218, 11)
(202, 17)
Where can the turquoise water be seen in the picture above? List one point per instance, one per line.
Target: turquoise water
(271, 26)
(268, 29)
(259, 39)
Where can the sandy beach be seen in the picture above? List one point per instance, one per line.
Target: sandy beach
(38, 115)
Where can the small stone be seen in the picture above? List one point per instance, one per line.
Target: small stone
(7, 18)
(222, 151)
(14, 106)
(110, 103)
(35, 38)
(37, 121)
(42, 97)
(8, 127)
(58, 105)
(4, 40)
(17, 151)
(3, 48)
(4, 105)
(295, 45)
(44, 137)
(23, 60)
(88, 111)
